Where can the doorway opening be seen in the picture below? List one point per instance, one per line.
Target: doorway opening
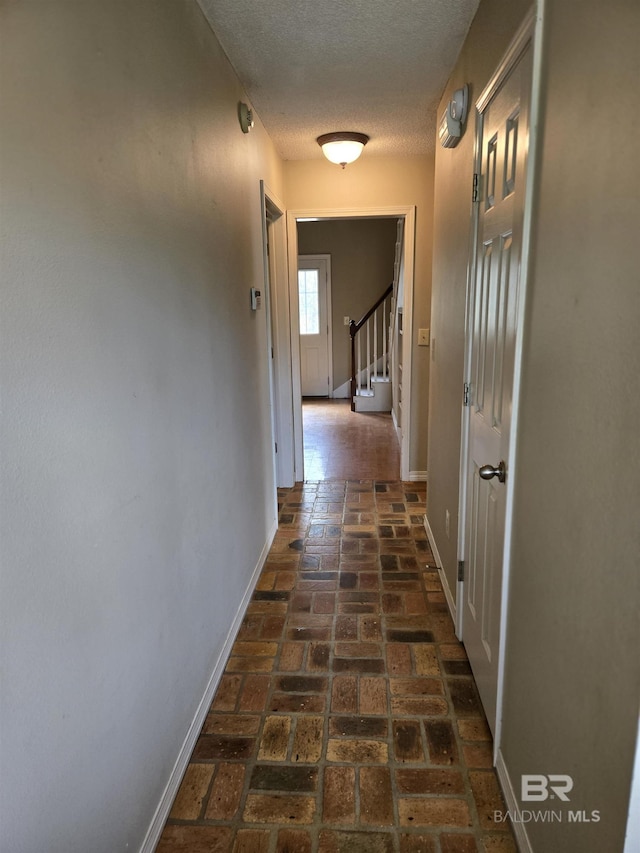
(344, 266)
(362, 246)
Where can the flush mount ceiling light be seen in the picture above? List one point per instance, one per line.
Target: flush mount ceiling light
(342, 147)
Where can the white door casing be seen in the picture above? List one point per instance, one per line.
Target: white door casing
(493, 310)
(277, 305)
(314, 323)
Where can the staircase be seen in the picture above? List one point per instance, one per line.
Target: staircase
(370, 376)
(376, 377)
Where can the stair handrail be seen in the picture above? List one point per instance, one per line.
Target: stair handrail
(354, 328)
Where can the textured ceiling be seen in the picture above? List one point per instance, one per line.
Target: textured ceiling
(314, 66)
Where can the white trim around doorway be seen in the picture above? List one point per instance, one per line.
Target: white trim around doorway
(277, 301)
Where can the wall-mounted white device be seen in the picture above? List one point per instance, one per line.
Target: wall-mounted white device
(245, 117)
(453, 118)
(256, 299)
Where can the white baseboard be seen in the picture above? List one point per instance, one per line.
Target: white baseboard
(511, 801)
(166, 801)
(451, 601)
(448, 595)
(432, 542)
(417, 476)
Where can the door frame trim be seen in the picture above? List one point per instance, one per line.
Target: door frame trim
(530, 32)
(327, 259)
(408, 212)
(275, 277)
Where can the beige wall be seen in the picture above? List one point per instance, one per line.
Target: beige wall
(375, 182)
(493, 27)
(362, 257)
(571, 679)
(137, 485)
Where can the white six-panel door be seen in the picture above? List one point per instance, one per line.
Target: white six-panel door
(502, 141)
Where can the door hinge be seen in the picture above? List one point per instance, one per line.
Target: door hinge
(271, 352)
(475, 193)
(466, 393)
(460, 570)
(276, 444)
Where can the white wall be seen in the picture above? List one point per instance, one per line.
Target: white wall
(137, 478)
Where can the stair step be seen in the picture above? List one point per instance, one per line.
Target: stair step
(363, 391)
(378, 399)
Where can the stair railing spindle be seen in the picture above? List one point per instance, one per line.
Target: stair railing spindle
(369, 354)
(385, 332)
(375, 344)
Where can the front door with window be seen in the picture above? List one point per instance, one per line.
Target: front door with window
(314, 318)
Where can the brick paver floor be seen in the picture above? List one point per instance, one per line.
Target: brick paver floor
(347, 719)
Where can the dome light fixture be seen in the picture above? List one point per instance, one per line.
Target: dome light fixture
(343, 146)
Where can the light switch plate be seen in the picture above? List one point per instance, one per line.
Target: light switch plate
(423, 337)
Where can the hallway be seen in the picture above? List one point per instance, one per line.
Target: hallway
(347, 719)
(140, 400)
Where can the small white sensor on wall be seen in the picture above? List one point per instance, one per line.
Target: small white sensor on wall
(453, 118)
(245, 117)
